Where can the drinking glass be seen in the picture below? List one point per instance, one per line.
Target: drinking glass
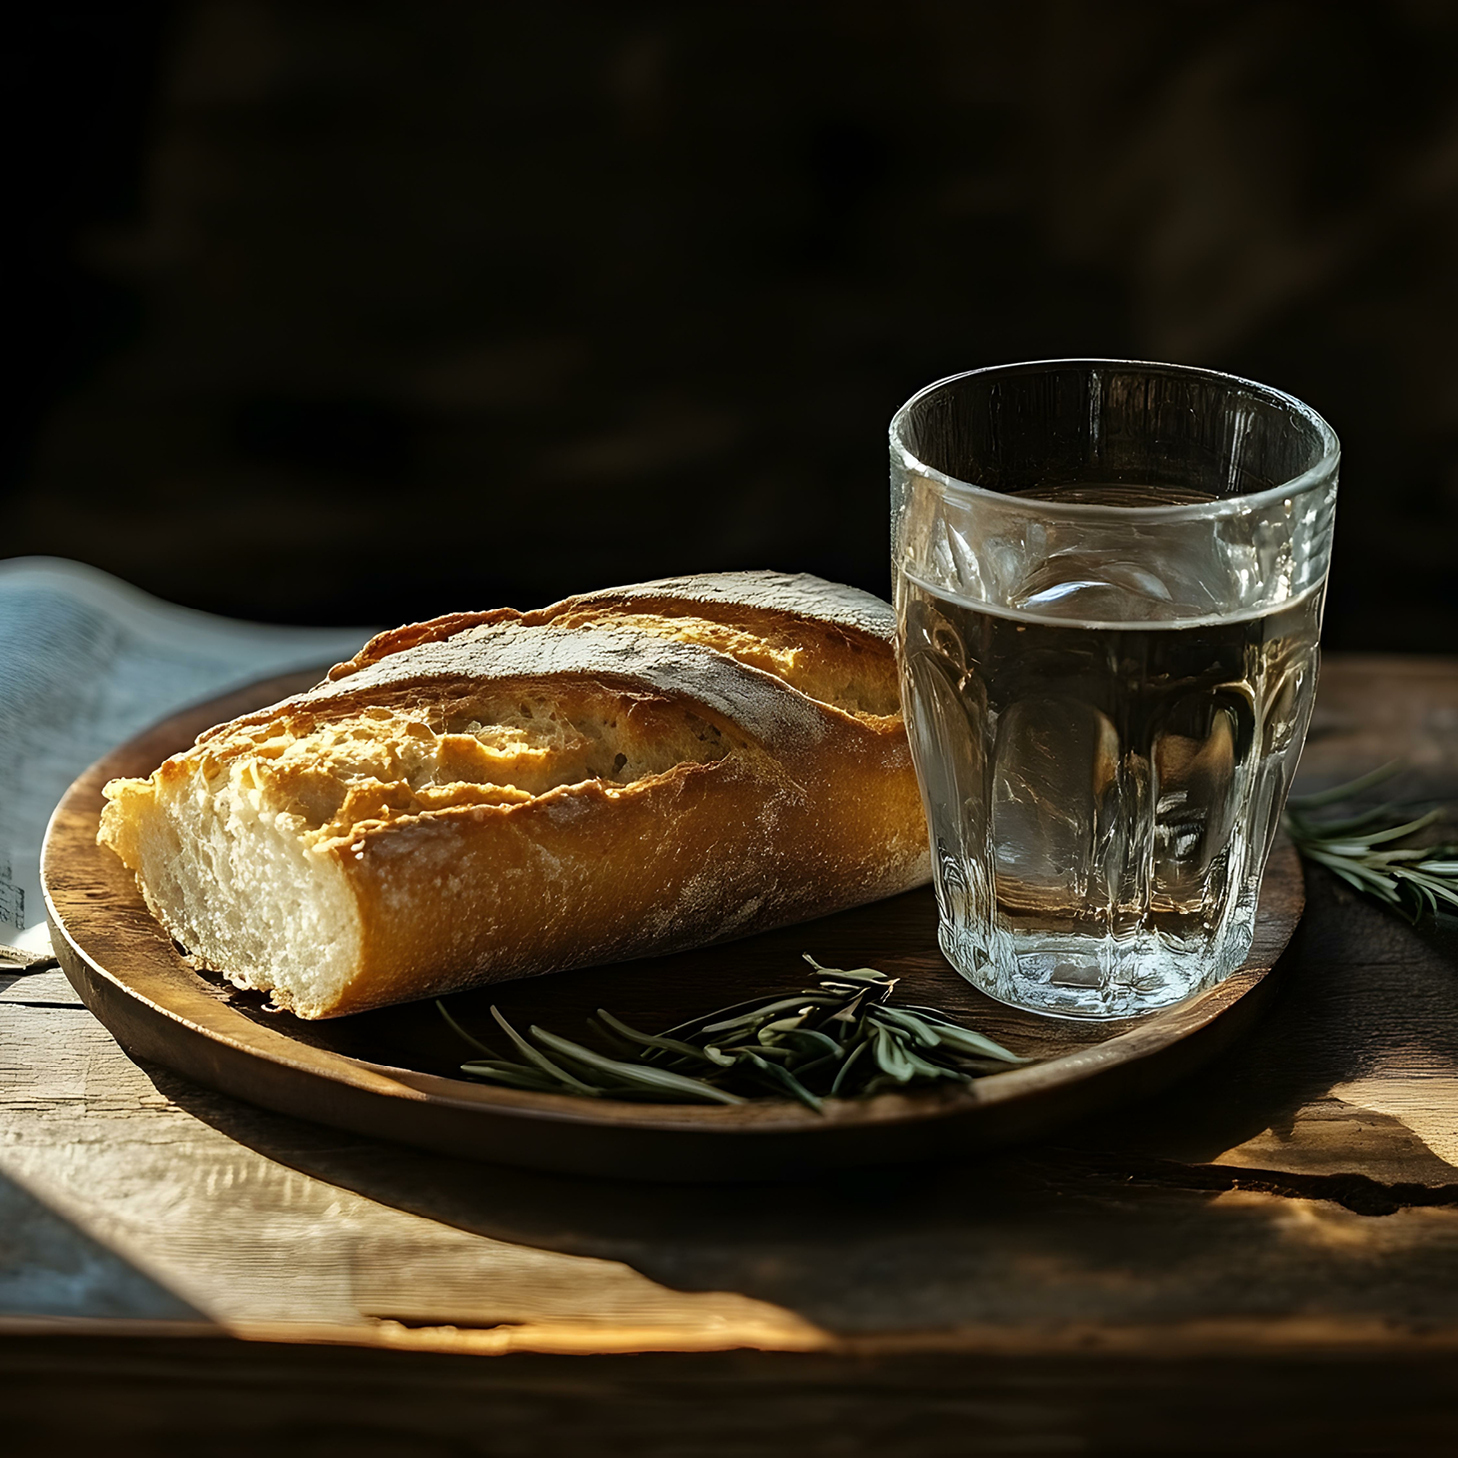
(1109, 580)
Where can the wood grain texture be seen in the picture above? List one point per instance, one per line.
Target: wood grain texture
(394, 1071)
(1349, 1085)
(230, 1400)
(1261, 1258)
(265, 1225)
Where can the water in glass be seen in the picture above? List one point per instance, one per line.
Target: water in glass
(1103, 764)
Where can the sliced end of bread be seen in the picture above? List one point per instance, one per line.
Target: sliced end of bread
(235, 876)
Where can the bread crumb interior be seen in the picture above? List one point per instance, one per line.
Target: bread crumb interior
(384, 763)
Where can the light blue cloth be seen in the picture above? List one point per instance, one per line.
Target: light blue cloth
(87, 661)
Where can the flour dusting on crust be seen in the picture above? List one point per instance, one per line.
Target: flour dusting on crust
(795, 594)
(769, 710)
(494, 795)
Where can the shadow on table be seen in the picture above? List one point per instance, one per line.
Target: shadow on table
(1123, 1219)
(49, 1267)
(1362, 998)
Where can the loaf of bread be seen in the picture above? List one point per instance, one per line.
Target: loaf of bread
(493, 795)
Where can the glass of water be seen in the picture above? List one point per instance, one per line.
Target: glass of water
(1109, 582)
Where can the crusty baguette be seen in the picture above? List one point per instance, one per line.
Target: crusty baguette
(492, 795)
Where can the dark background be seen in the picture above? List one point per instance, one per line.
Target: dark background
(336, 311)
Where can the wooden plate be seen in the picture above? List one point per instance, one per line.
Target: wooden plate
(390, 1072)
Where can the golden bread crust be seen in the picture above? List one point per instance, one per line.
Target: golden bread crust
(501, 794)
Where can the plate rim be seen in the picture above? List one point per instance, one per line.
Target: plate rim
(72, 829)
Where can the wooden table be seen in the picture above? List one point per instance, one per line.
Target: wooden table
(1264, 1259)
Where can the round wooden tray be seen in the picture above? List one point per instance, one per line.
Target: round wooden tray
(390, 1072)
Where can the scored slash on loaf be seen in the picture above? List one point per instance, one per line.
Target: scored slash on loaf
(493, 795)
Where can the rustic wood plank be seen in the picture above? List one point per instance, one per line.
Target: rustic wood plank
(256, 1219)
(1352, 1075)
(37, 988)
(50, 1268)
(1263, 1204)
(1352, 1072)
(394, 1071)
(231, 1400)
(247, 1239)
(1371, 708)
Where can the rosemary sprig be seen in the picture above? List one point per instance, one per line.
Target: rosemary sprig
(842, 1038)
(1361, 848)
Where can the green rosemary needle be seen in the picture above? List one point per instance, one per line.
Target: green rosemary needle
(1363, 849)
(842, 1038)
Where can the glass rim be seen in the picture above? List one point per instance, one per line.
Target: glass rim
(1313, 476)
